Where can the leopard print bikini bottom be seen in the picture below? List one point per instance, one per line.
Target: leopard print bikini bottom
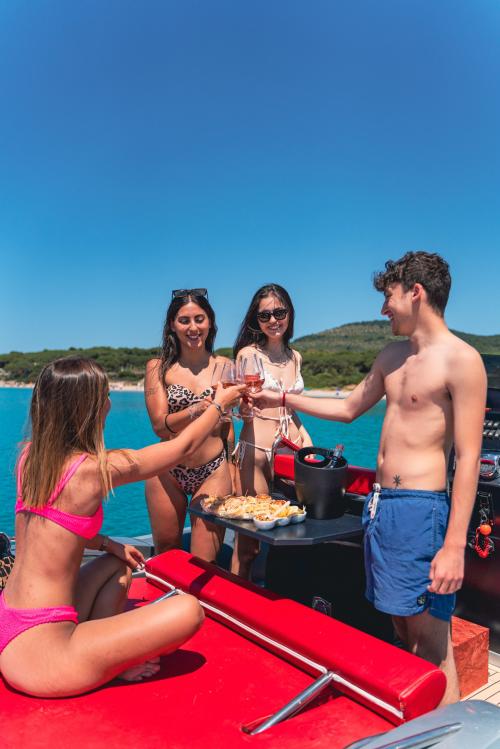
(190, 479)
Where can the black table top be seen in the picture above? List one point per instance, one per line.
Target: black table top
(300, 534)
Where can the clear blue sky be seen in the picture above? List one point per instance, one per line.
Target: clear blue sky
(146, 146)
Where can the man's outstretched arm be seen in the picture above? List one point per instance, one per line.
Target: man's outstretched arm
(467, 388)
(362, 398)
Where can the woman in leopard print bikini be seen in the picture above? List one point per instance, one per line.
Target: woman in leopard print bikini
(177, 389)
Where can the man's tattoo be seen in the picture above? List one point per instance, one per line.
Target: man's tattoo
(397, 480)
(150, 391)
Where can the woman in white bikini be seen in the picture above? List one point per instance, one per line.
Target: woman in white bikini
(178, 388)
(265, 333)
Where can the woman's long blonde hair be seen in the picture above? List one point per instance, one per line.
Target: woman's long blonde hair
(67, 414)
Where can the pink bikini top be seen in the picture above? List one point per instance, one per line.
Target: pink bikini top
(82, 525)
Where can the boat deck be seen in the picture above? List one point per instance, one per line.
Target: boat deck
(490, 692)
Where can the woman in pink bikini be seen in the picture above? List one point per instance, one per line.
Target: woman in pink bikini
(178, 388)
(265, 333)
(61, 627)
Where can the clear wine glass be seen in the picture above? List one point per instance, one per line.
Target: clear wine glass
(224, 374)
(229, 376)
(252, 371)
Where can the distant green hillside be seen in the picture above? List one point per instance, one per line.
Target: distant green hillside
(120, 363)
(374, 335)
(321, 369)
(333, 358)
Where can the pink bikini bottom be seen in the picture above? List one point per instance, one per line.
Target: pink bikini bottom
(15, 621)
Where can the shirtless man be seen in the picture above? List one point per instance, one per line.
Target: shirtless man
(436, 391)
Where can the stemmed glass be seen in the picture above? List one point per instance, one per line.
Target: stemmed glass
(252, 373)
(225, 374)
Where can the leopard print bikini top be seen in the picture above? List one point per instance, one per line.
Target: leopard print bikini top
(180, 397)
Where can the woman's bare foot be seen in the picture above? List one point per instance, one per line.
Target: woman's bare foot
(142, 670)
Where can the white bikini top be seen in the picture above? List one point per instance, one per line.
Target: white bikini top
(271, 383)
(285, 414)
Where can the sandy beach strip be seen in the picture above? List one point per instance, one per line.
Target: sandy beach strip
(138, 387)
(132, 387)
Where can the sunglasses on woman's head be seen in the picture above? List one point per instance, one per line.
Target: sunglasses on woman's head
(279, 314)
(181, 293)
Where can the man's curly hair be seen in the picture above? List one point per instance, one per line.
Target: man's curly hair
(425, 268)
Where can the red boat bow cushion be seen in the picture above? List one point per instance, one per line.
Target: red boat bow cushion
(409, 685)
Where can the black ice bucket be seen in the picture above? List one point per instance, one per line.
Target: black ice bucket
(320, 485)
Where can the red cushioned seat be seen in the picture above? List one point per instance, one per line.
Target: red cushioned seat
(205, 693)
(408, 685)
(216, 683)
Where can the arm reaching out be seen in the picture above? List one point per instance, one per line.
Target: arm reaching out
(362, 398)
(137, 465)
(467, 387)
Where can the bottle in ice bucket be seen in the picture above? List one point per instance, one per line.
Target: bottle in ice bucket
(320, 483)
(337, 454)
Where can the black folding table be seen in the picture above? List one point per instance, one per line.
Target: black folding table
(295, 534)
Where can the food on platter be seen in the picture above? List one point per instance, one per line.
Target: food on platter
(297, 514)
(265, 511)
(211, 502)
(264, 522)
(245, 507)
(230, 507)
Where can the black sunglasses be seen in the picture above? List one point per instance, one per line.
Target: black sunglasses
(181, 293)
(279, 314)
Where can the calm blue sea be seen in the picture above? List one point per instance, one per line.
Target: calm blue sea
(128, 426)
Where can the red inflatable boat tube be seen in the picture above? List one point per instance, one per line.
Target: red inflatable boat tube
(391, 682)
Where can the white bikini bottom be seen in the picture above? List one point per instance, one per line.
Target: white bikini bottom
(238, 454)
(282, 428)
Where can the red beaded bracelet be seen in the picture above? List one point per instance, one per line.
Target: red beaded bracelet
(283, 399)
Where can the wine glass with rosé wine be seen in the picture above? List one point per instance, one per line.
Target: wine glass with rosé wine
(252, 374)
(229, 376)
(224, 374)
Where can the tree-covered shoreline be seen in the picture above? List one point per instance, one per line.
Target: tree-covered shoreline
(321, 369)
(333, 358)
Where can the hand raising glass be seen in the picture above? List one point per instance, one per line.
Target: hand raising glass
(225, 374)
(253, 375)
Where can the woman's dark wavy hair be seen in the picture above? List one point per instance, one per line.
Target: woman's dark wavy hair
(170, 349)
(250, 332)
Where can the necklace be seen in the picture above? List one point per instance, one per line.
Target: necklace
(276, 362)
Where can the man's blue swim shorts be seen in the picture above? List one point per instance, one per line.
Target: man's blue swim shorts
(404, 529)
